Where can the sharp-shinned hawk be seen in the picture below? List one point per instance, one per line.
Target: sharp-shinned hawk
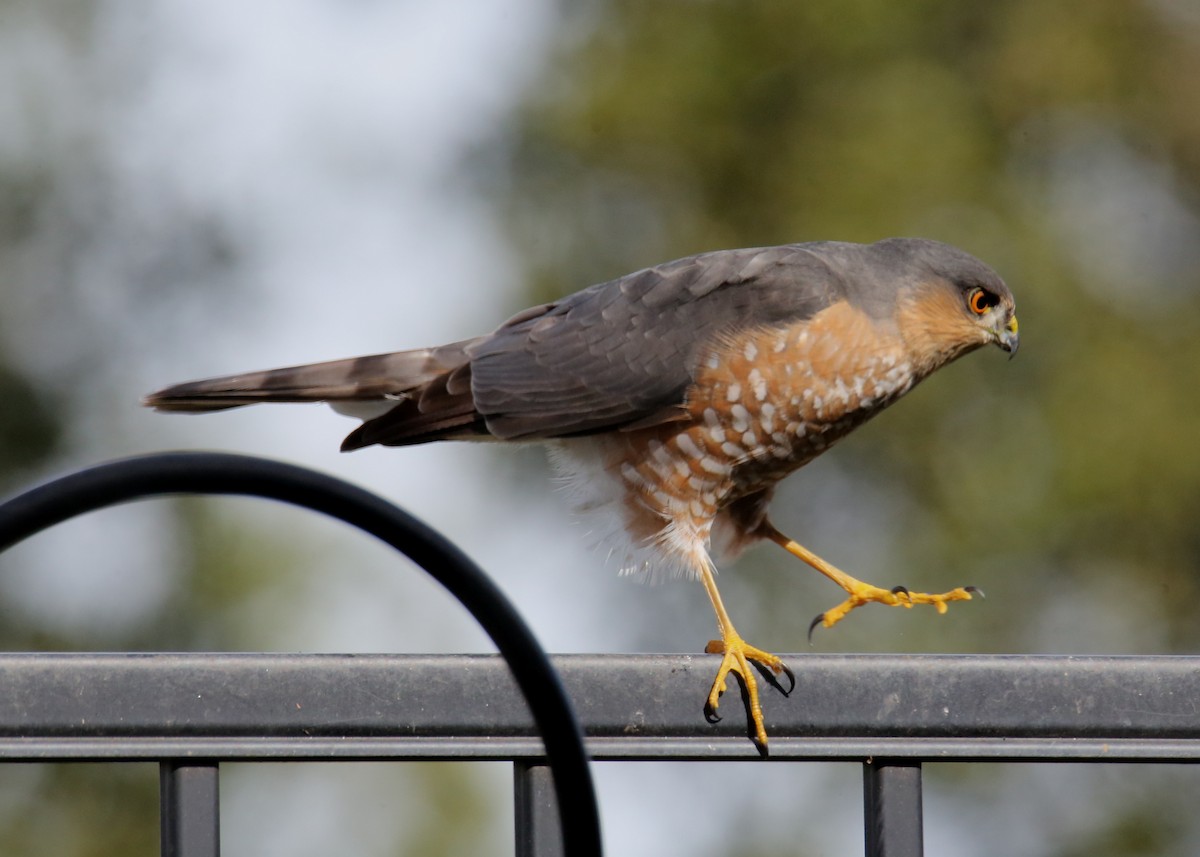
(675, 398)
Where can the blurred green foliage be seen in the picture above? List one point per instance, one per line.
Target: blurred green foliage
(29, 426)
(1058, 141)
(669, 128)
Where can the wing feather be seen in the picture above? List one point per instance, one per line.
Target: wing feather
(618, 355)
(621, 352)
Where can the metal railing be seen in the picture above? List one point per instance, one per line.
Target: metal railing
(191, 712)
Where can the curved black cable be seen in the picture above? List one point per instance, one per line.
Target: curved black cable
(221, 473)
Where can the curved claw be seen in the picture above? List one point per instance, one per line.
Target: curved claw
(812, 626)
(771, 674)
(898, 590)
(975, 590)
(787, 671)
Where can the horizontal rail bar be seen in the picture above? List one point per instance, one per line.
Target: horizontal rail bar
(844, 707)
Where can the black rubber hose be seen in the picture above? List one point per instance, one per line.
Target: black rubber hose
(219, 473)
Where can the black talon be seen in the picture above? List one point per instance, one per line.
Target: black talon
(813, 626)
(896, 590)
(710, 714)
(771, 676)
(975, 590)
(787, 671)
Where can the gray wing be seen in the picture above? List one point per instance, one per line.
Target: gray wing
(612, 356)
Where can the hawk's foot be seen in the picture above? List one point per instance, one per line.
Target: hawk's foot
(864, 593)
(860, 593)
(738, 657)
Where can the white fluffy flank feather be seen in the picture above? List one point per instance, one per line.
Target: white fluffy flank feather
(606, 504)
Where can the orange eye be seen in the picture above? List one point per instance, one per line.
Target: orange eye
(981, 301)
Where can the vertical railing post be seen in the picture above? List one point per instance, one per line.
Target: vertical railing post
(189, 809)
(892, 808)
(535, 811)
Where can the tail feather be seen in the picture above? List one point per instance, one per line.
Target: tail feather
(375, 378)
(440, 409)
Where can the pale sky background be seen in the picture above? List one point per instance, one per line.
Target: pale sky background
(326, 145)
(326, 141)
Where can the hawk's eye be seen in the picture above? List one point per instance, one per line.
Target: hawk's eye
(981, 300)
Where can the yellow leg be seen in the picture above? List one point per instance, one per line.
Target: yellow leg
(861, 593)
(737, 657)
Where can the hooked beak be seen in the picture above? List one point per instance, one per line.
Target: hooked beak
(1008, 338)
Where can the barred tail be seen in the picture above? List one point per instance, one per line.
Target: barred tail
(378, 378)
